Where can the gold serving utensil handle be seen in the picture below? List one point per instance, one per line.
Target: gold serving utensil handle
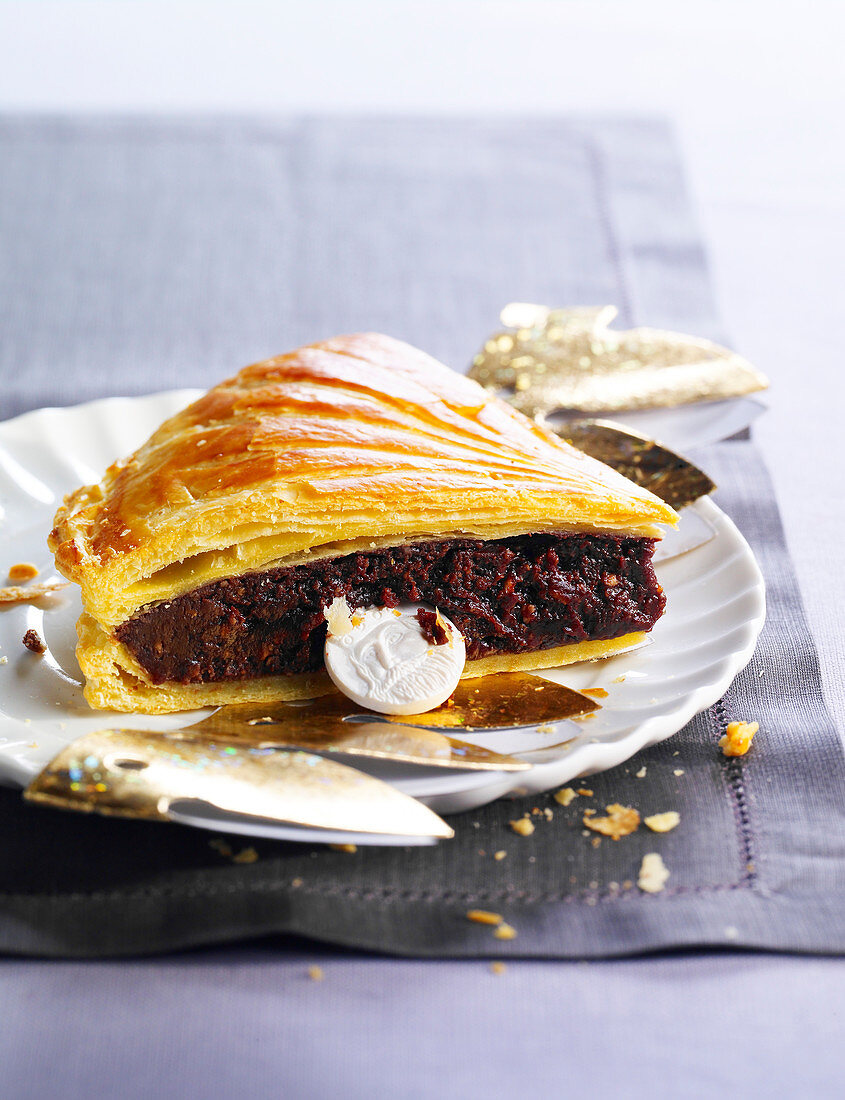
(149, 774)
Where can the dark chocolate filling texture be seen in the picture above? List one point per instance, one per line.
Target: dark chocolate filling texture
(513, 595)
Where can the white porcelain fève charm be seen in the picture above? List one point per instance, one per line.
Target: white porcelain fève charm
(380, 658)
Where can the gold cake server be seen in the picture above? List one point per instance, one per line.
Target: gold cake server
(570, 359)
(156, 777)
(644, 461)
(332, 724)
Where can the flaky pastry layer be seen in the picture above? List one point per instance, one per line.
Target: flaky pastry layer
(357, 441)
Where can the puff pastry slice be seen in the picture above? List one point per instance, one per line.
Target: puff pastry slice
(361, 467)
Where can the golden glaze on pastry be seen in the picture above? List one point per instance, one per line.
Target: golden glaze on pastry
(356, 442)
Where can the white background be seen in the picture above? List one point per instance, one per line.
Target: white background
(756, 89)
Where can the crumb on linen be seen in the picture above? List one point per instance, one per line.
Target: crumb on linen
(523, 826)
(245, 855)
(738, 737)
(296, 883)
(564, 796)
(663, 823)
(350, 849)
(483, 916)
(500, 854)
(620, 821)
(653, 874)
(678, 771)
(497, 967)
(34, 642)
(596, 841)
(641, 773)
(585, 792)
(504, 932)
(4, 660)
(27, 594)
(22, 571)
(315, 973)
(548, 814)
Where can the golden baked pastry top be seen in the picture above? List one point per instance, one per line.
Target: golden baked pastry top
(351, 443)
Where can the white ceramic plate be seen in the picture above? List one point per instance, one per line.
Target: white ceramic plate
(715, 610)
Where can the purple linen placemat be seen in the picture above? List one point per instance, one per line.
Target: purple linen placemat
(139, 255)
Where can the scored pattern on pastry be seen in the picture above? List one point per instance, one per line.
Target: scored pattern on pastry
(360, 445)
(356, 438)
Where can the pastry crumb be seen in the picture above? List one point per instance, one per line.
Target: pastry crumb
(296, 882)
(641, 773)
(504, 932)
(315, 973)
(738, 737)
(350, 849)
(245, 855)
(483, 916)
(497, 967)
(678, 771)
(338, 617)
(500, 854)
(653, 874)
(663, 823)
(585, 792)
(4, 660)
(523, 826)
(34, 642)
(23, 571)
(564, 796)
(28, 593)
(620, 821)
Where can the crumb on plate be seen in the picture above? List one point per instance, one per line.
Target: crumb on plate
(22, 571)
(29, 593)
(34, 642)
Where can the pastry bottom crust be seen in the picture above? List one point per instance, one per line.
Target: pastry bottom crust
(115, 681)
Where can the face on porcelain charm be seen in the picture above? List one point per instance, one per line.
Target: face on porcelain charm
(380, 658)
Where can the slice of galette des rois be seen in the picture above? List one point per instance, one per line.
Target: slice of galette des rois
(359, 468)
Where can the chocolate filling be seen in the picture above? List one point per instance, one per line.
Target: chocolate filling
(511, 595)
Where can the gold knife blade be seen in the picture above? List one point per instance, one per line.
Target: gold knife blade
(332, 724)
(644, 461)
(139, 773)
(386, 741)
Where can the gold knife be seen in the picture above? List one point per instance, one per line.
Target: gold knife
(144, 774)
